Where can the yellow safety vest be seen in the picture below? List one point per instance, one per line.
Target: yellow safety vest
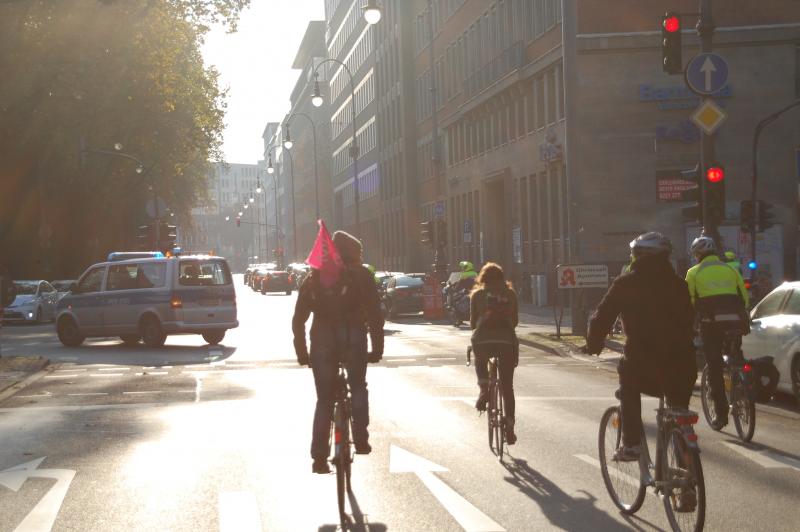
(712, 277)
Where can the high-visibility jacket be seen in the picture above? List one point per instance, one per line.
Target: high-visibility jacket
(712, 280)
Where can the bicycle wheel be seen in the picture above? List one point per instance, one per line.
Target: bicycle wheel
(499, 420)
(744, 413)
(623, 480)
(341, 459)
(707, 398)
(684, 488)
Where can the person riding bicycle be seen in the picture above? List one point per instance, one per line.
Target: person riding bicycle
(733, 261)
(720, 300)
(339, 329)
(493, 317)
(468, 275)
(659, 355)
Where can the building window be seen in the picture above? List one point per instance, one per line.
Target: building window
(551, 96)
(540, 123)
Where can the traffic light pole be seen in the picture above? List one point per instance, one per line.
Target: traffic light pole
(753, 196)
(705, 29)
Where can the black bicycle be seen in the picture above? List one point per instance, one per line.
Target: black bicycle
(495, 415)
(341, 431)
(676, 476)
(738, 378)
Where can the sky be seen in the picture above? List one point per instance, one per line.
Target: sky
(255, 65)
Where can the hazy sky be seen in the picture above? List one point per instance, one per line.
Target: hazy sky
(255, 64)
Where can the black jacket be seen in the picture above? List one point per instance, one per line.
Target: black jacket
(657, 313)
(359, 307)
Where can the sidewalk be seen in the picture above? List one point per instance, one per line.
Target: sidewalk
(16, 371)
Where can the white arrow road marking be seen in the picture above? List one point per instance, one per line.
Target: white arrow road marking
(468, 516)
(708, 69)
(765, 458)
(44, 514)
(238, 512)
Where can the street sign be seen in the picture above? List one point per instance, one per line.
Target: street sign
(468, 231)
(709, 116)
(438, 209)
(151, 209)
(582, 276)
(706, 73)
(516, 243)
(670, 186)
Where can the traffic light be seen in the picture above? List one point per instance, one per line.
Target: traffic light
(145, 237)
(441, 233)
(693, 213)
(747, 216)
(427, 233)
(765, 217)
(715, 193)
(671, 43)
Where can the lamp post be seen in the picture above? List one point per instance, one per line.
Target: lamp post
(287, 143)
(317, 101)
(259, 190)
(271, 170)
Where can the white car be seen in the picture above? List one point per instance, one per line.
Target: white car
(35, 302)
(775, 332)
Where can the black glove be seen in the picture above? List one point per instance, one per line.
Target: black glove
(302, 352)
(373, 357)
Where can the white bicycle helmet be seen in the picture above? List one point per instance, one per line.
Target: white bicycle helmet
(651, 243)
(703, 245)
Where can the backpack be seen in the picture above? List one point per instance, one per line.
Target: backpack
(766, 379)
(337, 301)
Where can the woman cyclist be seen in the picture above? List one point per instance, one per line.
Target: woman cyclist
(493, 317)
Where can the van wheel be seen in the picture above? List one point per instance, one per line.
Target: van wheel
(130, 339)
(213, 337)
(68, 332)
(152, 334)
(796, 377)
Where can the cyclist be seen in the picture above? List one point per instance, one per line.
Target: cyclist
(720, 299)
(659, 355)
(341, 318)
(493, 317)
(733, 261)
(371, 269)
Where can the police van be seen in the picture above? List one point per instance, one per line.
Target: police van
(148, 299)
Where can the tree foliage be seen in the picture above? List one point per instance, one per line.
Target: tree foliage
(107, 72)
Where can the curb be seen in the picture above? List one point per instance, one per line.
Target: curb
(10, 389)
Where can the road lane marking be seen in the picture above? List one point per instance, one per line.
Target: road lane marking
(77, 370)
(92, 394)
(140, 393)
(46, 395)
(44, 514)
(106, 374)
(114, 369)
(765, 458)
(238, 512)
(468, 516)
(59, 376)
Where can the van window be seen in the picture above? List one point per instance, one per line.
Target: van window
(92, 281)
(204, 273)
(135, 276)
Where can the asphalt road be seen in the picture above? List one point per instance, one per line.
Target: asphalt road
(193, 437)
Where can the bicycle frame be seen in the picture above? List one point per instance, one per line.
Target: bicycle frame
(342, 440)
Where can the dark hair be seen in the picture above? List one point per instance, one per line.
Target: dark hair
(491, 276)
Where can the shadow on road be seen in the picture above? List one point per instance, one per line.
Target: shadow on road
(564, 511)
(138, 355)
(356, 521)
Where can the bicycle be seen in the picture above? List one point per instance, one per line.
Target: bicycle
(737, 377)
(495, 415)
(341, 426)
(676, 476)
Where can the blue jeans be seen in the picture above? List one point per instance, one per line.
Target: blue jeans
(327, 345)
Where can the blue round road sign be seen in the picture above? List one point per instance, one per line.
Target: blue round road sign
(706, 73)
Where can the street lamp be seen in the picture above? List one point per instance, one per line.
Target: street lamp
(287, 143)
(372, 13)
(271, 170)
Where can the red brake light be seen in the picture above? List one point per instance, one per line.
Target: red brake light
(687, 419)
(672, 24)
(176, 302)
(747, 368)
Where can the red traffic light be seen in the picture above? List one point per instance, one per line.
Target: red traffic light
(672, 24)
(715, 174)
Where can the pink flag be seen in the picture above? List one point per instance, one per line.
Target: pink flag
(325, 257)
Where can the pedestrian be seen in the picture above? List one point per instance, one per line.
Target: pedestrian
(341, 294)
(494, 316)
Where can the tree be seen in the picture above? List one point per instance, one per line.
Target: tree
(105, 71)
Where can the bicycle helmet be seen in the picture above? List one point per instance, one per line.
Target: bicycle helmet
(466, 266)
(703, 245)
(651, 243)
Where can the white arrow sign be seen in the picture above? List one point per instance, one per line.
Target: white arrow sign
(708, 69)
(468, 516)
(44, 514)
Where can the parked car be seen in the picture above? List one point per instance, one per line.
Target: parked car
(277, 281)
(35, 302)
(149, 299)
(404, 294)
(775, 332)
(62, 286)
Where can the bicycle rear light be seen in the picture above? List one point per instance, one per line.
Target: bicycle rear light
(691, 437)
(747, 368)
(687, 419)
